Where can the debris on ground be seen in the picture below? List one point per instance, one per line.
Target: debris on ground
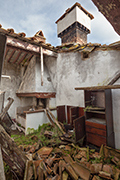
(49, 157)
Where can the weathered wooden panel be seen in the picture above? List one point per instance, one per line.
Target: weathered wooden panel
(72, 114)
(96, 125)
(61, 114)
(81, 111)
(96, 131)
(37, 95)
(95, 139)
(79, 125)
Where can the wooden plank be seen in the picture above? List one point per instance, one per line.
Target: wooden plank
(93, 130)
(74, 114)
(22, 49)
(61, 114)
(30, 57)
(81, 111)
(2, 174)
(37, 95)
(98, 87)
(2, 51)
(55, 121)
(79, 125)
(114, 79)
(23, 57)
(96, 125)
(95, 139)
(109, 118)
(12, 155)
(6, 52)
(11, 55)
(42, 65)
(18, 55)
(98, 112)
(40, 110)
(6, 108)
(29, 46)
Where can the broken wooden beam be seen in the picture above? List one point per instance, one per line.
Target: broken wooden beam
(12, 155)
(55, 121)
(6, 108)
(2, 174)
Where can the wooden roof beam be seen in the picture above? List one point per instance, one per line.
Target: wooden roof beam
(11, 55)
(30, 57)
(29, 47)
(98, 87)
(37, 95)
(18, 55)
(22, 58)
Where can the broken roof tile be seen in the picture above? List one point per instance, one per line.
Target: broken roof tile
(11, 31)
(22, 34)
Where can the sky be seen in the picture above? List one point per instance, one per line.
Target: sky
(30, 16)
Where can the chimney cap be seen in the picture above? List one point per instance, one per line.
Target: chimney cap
(70, 9)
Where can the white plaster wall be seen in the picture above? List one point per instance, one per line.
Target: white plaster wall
(51, 64)
(96, 70)
(52, 103)
(75, 15)
(83, 18)
(73, 72)
(11, 85)
(47, 85)
(28, 81)
(33, 120)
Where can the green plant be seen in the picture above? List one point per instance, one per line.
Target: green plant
(6, 168)
(87, 108)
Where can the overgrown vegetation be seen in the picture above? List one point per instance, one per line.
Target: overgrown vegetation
(39, 133)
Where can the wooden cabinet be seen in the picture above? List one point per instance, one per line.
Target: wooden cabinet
(99, 118)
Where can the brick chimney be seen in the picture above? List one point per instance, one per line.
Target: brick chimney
(74, 25)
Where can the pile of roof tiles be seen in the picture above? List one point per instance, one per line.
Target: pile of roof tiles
(71, 162)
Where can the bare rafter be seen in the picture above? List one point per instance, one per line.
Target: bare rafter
(18, 55)
(11, 55)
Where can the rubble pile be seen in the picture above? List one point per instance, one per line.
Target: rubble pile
(63, 160)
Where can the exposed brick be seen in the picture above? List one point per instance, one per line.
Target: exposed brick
(76, 33)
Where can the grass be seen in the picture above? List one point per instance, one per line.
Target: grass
(39, 133)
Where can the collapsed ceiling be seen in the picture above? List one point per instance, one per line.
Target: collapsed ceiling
(111, 10)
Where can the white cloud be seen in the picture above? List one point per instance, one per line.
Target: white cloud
(31, 16)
